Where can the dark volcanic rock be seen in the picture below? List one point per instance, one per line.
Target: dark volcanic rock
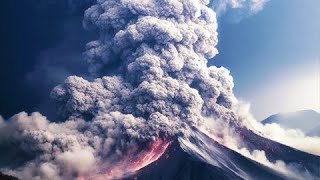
(176, 164)
(183, 163)
(277, 151)
(7, 177)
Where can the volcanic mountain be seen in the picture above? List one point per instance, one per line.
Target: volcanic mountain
(200, 157)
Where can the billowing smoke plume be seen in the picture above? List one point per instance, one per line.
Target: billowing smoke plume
(152, 85)
(158, 86)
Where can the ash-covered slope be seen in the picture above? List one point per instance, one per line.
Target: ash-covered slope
(200, 157)
(7, 177)
(178, 164)
(275, 151)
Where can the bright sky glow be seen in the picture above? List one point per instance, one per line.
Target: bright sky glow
(297, 89)
(274, 56)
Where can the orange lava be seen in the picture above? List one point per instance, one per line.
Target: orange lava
(146, 158)
(80, 178)
(132, 162)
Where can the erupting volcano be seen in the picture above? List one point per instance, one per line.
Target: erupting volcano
(151, 108)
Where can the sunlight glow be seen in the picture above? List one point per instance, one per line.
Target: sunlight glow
(298, 89)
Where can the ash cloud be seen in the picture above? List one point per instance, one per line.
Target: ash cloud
(149, 84)
(157, 87)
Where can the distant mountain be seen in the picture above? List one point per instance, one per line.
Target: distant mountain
(308, 121)
(314, 131)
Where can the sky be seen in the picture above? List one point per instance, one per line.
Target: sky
(41, 44)
(273, 55)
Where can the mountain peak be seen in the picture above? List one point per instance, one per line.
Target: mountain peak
(304, 120)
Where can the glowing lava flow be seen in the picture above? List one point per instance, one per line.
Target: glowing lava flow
(132, 163)
(139, 161)
(145, 158)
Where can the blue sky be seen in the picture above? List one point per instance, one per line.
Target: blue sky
(274, 56)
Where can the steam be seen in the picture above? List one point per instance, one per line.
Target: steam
(149, 85)
(204, 148)
(291, 137)
(229, 139)
(290, 170)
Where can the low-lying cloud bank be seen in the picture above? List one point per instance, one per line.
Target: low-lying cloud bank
(291, 137)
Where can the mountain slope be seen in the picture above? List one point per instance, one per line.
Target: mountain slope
(314, 131)
(200, 157)
(7, 177)
(178, 164)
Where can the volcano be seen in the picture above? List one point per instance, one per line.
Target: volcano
(200, 157)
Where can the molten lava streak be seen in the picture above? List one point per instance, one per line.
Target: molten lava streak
(145, 158)
(132, 162)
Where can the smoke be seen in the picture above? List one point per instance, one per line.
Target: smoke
(202, 144)
(291, 137)
(229, 136)
(158, 86)
(291, 170)
(53, 147)
(76, 148)
(149, 85)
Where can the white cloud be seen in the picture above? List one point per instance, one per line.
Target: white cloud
(248, 6)
(236, 10)
(257, 5)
